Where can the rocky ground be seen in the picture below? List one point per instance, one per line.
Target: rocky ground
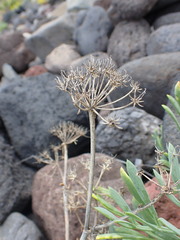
(141, 36)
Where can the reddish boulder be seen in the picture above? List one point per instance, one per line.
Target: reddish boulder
(47, 194)
(14, 52)
(35, 70)
(165, 207)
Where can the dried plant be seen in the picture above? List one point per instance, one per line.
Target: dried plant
(89, 86)
(67, 133)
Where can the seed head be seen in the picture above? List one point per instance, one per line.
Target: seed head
(68, 132)
(92, 83)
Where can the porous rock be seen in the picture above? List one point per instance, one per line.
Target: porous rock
(51, 35)
(47, 194)
(134, 140)
(30, 107)
(85, 59)
(15, 182)
(18, 227)
(167, 19)
(129, 9)
(153, 73)
(164, 39)
(128, 41)
(164, 206)
(61, 58)
(164, 3)
(92, 30)
(14, 52)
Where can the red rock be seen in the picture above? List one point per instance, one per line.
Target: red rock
(14, 52)
(35, 70)
(165, 207)
(47, 195)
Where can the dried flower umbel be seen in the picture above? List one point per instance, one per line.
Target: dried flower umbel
(89, 86)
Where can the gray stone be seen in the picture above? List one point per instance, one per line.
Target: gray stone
(167, 19)
(78, 4)
(8, 74)
(15, 182)
(52, 34)
(164, 39)
(91, 33)
(129, 9)
(153, 73)
(128, 41)
(31, 107)
(18, 227)
(164, 3)
(61, 58)
(170, 131)
(134, 140)
(84, 60)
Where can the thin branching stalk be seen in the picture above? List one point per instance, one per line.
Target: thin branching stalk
(92, 117)
(65, 197)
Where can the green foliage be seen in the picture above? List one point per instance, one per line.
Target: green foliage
(7, 5)
(140, 221)
(175, 101)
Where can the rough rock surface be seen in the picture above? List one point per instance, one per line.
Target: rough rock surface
(30, 107)
(170, 131)
(14, 52)
(167, 19)
(153, 73)
(92, 30)
(164, 3)
(18, 227)
(51, 35)
(15, 182)
(47, 194)
(128, 41)
(165, 207)
(129, 9)
(61, 58)
(164, 39)
(134, 140)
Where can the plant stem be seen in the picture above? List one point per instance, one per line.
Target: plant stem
(65, 197)
(85, 232)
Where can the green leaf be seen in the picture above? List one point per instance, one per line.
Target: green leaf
(170, 226)
(109, 236)
(169, 111)
(130, 184)
(102, 190)
(107, 205)
(106, 213)
(159, 178)
(174, 200)
(150, 213)
(174, 103)
(174, 162)
(118, 199)
(121, 236)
